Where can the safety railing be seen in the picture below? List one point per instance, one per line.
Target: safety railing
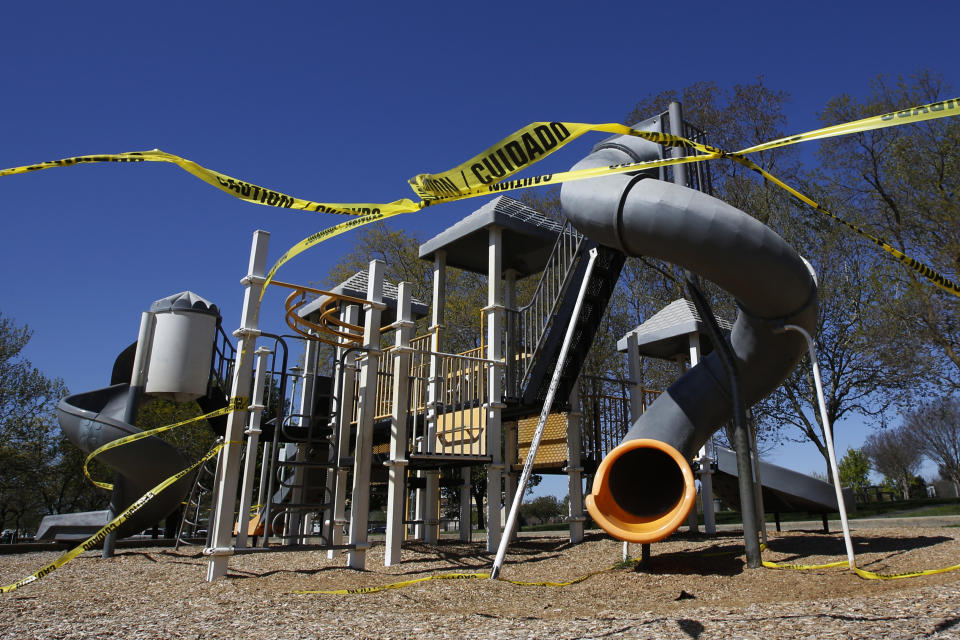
(605, 413)
(456, 410)
(527, 325)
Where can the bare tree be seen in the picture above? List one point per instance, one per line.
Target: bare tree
(903, 184)
(934, 430)
(893, 454)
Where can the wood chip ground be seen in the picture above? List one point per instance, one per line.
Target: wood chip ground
(695, 587)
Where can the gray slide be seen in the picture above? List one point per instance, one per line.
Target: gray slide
(784, 490)
(91, 420)
(644, 488)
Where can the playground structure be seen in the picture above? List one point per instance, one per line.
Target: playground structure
(404, 415)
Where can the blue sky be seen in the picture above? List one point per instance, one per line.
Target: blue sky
(339, 103)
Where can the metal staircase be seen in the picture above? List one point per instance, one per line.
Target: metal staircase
(537, 330)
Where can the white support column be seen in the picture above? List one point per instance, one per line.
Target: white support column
(705, 458)
(574, 468)
(466, 513)
(494, 311)
(693, 521)
(344, 406)
(510, 445)
(363, 450)
(222, 518)
(636, 377)
(253, 443)
(399, 412)
(428, 498)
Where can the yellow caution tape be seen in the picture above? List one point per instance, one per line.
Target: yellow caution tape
(241, 189)
(929, 273)
(802, 567)
(452, 576)
(868, 575)
(97, 538)
(488, 172)
(397, 585)
(234, 404)
(913, 115)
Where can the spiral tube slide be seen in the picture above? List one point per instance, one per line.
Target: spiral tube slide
(644, 488)
(91, 420)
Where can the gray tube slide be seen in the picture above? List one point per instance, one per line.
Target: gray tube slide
(644, 488)
(91, 420)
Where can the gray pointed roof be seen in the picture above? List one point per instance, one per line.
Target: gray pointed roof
(528, 238)
(184, 301)
(665, 334)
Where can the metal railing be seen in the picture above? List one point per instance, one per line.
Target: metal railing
(605, 413)
(527, 325)
(456, 421)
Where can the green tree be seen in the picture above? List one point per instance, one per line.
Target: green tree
(193, 439)
(891, 453)
(38, 468)
(543, 508)
(854, 469)
(903, 184)
(934, 430)
(466, 292)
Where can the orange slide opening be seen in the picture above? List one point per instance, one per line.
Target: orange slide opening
(642, 492)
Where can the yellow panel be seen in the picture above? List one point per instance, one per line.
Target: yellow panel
(462, 432)
(552, 451)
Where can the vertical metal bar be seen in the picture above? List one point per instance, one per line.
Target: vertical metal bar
(544, 414)
(363, 448)
(253, 443)
(741, 438)
(676, 128)
(828, 437)
(226, 494)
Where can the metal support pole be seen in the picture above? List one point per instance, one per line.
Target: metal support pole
(494, 312)
(306, 420)
(253, 443)
(541, 424)
(574, 468)
(828, 436)
(741, 436)
(347, 377)
(676, 128)
(399, 411)
(363, 450)
(757, 480)
(226, 494)
(466, 513)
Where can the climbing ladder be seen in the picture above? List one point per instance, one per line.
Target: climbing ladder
(196, 510)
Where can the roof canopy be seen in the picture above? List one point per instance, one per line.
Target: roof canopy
(665, 334)
(528, 238)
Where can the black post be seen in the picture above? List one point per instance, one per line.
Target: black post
(741, 436)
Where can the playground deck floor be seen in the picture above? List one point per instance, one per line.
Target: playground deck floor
(694, 587)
